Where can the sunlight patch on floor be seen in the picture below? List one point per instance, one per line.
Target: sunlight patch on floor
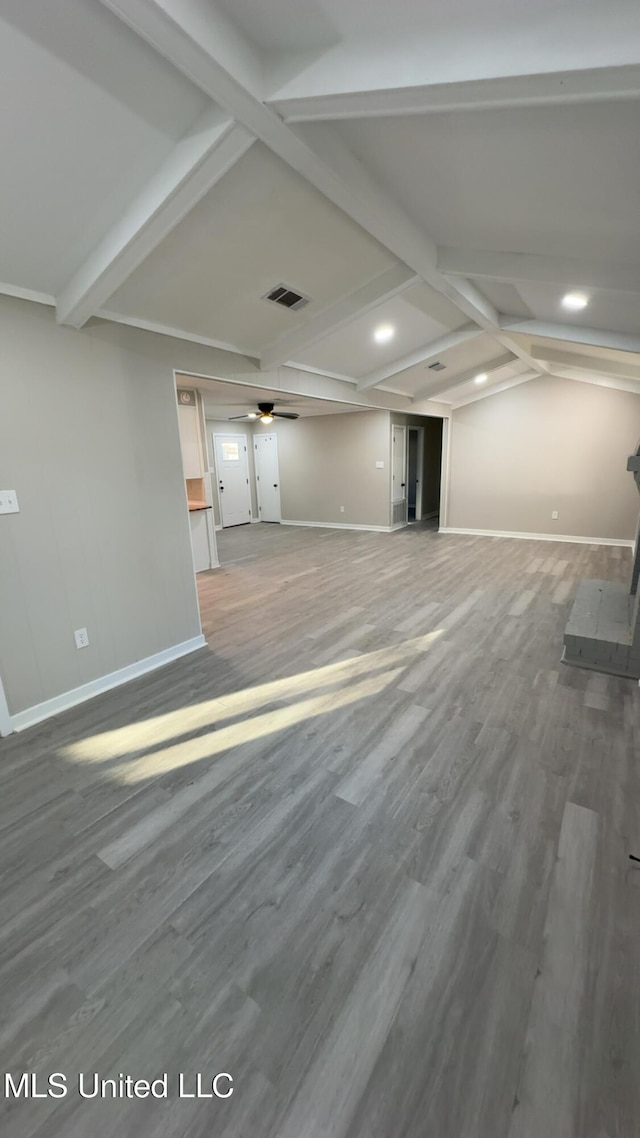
(166, 732)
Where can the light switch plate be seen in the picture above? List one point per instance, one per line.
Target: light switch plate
(379, 464)
(9, 502)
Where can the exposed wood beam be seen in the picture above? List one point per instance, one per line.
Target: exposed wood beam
(485, 393)
(177, 30)
(583, 362)
(610, 381)
(593, 337)
(555, 88)
(441, 383)
(194, 166)
(383, 287)
(20, 293)
(176, 333)
(422, 355)
(187, 35)
(531, 268)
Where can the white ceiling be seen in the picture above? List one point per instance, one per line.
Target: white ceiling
(262, 224)
(471, 356)
(556, 180)
(308, 25)
(352, 350)
(78, 142)
(165, 175)
(615, 311)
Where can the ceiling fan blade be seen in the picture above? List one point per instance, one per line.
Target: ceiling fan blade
(284, 415)
(232, 418)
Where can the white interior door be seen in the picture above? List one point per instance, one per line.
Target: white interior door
(232, 471)
(398, 475)
(267, 477)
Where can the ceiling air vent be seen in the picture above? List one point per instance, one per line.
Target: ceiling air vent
(437, 366)
(287, 297)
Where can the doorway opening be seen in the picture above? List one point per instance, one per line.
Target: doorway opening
(433, 488)
(415, 463)
(417, 485)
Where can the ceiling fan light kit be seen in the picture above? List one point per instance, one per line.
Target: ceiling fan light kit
(266, 414)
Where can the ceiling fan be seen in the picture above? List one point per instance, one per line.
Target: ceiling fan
(266, 414)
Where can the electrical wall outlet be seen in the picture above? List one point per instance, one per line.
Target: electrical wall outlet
(342, 509)
(9, 502)
(82, 638)
(554, 515)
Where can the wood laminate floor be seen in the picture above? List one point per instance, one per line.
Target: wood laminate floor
(367, 852)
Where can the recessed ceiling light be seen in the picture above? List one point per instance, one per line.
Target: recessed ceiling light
(384, 333)
(482, 378)
(574, 301)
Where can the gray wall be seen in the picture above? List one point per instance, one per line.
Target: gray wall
(328, 461)
(89, 441)
(549, 444)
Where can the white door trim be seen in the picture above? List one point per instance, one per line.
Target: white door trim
(445, 473)
(184, 491)
(5, 719)
(395, 427)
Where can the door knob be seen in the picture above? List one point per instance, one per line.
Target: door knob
(402, 483)
(275, 486)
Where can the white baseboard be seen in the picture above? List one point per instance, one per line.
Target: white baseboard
(340, 525)
(63, 702)
(626, 542)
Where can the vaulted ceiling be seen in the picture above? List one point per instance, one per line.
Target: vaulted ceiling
(447, 171)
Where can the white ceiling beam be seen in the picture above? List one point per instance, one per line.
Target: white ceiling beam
(393, 282)
(522, 268)
(471, 301)
(440, 383)
(422, 355)
(193, 167)
(555, 88)
(485, 393)
(187, 35)
(20, 293)
(176, 29)
(583, 362)
(610, 381)
(592, 337)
